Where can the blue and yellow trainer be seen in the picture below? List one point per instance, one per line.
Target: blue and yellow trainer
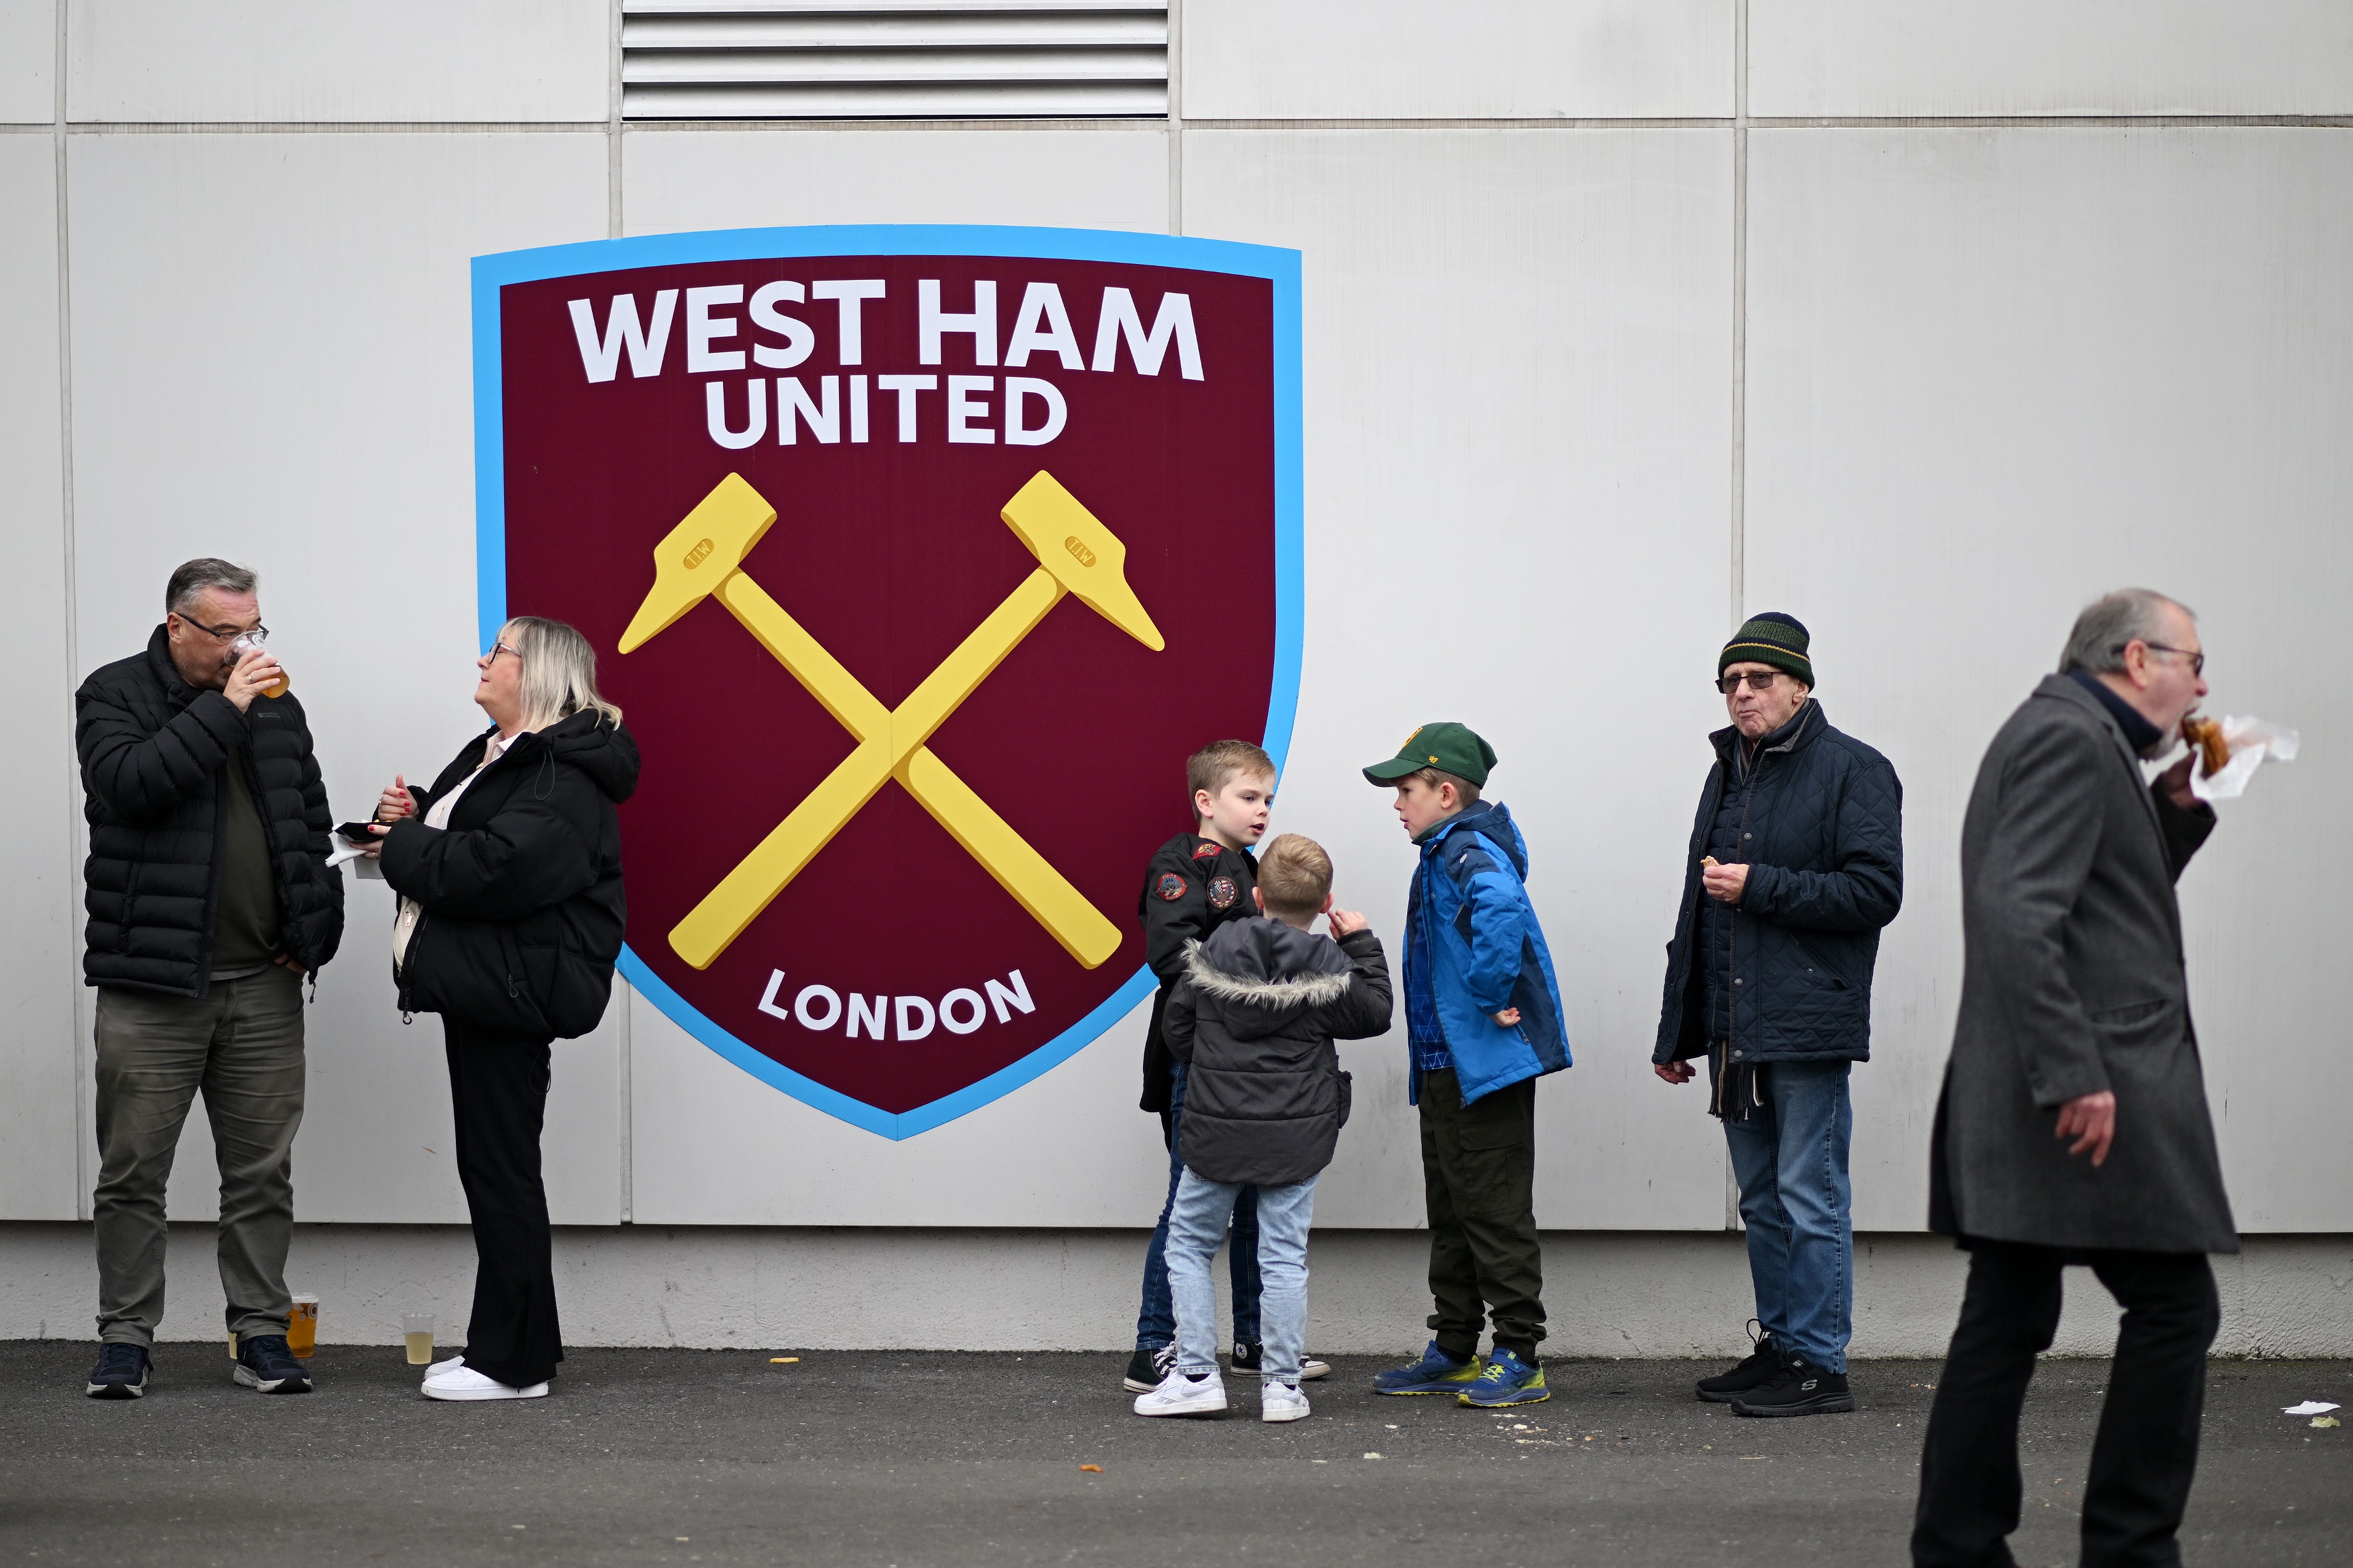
(1507, 1380)
(1435, 1373)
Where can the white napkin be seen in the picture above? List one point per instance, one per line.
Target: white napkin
(2252, 741)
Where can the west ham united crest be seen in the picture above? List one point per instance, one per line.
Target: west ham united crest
(918, 559)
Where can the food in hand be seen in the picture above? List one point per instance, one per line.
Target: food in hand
(2213, 752)
(1709, 860)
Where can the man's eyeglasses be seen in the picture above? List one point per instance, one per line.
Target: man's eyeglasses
(1758, 680)
(229, 633)
(2196, 660)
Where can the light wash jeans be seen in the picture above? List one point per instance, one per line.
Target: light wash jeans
(1156, 1324)
(1197, 1224)
(1789, 1158)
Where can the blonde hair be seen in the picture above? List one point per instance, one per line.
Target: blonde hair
(559, 672)
(1465, 791)
(1294, 876)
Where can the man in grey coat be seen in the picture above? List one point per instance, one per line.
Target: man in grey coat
(2073, 1125)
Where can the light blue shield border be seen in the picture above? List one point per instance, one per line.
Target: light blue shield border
(1279, 267)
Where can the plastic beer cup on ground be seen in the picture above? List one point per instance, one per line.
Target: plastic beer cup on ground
(302, 1327)
(418, 1328)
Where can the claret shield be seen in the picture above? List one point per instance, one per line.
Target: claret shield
(918, 559)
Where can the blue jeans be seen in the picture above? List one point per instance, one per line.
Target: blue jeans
(1195, 1228)
(1789, 1158)
(1156, 1322)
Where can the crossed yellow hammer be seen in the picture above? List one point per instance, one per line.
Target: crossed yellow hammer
(703, 557)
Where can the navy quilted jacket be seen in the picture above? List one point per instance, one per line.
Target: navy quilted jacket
(1825, 853)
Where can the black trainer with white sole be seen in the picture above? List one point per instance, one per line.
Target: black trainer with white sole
(1248, 1357)
(1148, 1368)
(1799, 1388)
(264, 1362)
(121, 1371)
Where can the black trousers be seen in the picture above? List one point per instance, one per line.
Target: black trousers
(498, 1086)
(2147, 1450)
(1478, 1173)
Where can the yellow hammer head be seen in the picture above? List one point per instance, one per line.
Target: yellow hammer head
(699, 554)
(1084, 556)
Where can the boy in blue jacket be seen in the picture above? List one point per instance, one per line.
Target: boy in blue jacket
(1483, 1022)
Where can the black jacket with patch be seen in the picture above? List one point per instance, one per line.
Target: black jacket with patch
(1193, 886)
(152, 751)
(1254, 1020)
(523, 911)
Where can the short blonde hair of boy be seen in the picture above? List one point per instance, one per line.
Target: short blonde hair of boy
(1214, 766)
(1294, 876)
(1464, 790)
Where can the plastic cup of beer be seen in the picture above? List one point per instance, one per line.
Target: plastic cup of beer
(302, 1327)
(246, 644)
(418, 1329)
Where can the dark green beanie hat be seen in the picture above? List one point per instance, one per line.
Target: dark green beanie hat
(1771, 638)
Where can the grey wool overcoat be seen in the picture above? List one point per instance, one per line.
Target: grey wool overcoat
(2073, 984)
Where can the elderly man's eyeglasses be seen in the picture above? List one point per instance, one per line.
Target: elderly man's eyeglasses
(2196, 660)
(229, 633)
(1757, 679)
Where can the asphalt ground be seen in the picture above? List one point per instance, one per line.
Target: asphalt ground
(912, 1459)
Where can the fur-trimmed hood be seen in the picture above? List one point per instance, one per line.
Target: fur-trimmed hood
(1274, 970)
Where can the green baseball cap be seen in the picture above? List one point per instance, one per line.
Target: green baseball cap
(1449, 748)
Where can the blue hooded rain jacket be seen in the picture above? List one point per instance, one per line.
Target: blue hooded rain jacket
(1486, 952)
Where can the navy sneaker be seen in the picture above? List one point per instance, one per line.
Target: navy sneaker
(1435, 1373)
(121, 1371)
(1507, 1380)
(263, 1362)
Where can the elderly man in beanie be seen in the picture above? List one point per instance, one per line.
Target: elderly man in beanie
(1796, 862)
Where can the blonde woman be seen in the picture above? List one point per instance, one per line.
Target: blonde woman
(509, 872)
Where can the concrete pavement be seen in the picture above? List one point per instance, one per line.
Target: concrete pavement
(903, 1459)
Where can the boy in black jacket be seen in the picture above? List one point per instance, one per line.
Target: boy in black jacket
(1198, 882)
(1253, 1021)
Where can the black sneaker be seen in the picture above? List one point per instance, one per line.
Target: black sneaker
(1247, 1358)
(1759, 1370)
(1148, 1368)
(264, 1362)
(121, 1371)
(1799, 1388)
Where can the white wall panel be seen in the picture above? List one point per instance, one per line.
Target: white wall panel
(676, 181)
(1992, 375)
(28, 54)
(40, 924)
(273, 363)
(1512, 59)
(1518, 387)
(299, 61)
(2032, 57)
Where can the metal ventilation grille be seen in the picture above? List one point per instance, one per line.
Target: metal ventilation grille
(826, 60)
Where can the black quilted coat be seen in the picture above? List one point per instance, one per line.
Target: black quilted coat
(521, 893)
(151, 753)
(1826, 872)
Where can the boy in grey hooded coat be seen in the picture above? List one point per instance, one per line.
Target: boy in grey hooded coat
(1253, 1019)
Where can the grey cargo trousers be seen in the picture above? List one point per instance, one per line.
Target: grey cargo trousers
(241, 1043)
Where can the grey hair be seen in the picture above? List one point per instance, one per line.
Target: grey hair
(559, 672)
(192, 577)
(2110, 623)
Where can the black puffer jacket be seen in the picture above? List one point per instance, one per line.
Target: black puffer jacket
(1823, 840)
(1255, 1017)
(152, 751)
(524, 912)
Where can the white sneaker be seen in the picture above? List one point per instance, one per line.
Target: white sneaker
(1310, 1369)
(1180, 1395)
(1280, 1401)
(465, 1382)
(441, 1369)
